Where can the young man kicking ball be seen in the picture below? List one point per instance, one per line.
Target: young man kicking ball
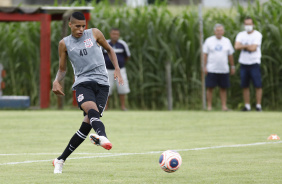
(83, 48)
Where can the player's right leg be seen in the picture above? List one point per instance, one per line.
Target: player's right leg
(74, 142)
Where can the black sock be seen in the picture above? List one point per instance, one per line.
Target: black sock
(76, 140)
(96, 123)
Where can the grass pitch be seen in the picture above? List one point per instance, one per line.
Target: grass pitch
(31, 139)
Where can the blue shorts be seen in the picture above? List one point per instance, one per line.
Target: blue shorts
(217, 79)
(248, 73)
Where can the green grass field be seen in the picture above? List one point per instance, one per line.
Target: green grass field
(40, 136)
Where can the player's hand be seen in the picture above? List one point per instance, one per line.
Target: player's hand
(118, 77)
(57, 88)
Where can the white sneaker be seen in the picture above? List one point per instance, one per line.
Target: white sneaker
(101, 141)
(58, 164)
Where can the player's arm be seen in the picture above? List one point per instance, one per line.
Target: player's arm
(112, 55)
(57, 88)
(205, 63)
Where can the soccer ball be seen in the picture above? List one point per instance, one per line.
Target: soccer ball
(170, 161)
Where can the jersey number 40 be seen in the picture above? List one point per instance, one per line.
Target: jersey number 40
(83, 52)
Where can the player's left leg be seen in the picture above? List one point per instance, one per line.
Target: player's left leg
(94, 118)
(92, 98)
(94, 107)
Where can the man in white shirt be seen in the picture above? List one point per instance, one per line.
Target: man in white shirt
(249, 42)
(217, 51)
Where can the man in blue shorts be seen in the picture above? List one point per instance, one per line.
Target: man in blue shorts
(249, 42)
(218, 50)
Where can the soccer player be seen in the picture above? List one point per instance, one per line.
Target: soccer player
(122, 51)
(217, 51)
(249, 42)
(83, 48)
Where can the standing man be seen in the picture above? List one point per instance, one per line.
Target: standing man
(249, 42)
(122, 51)
(91, 84)
(217, 51)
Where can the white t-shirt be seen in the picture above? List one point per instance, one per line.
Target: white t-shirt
(247, 57)
(218, 51)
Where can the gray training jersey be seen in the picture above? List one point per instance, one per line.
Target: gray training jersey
(87, 59)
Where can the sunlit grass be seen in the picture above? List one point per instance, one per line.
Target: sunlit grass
(142, 132)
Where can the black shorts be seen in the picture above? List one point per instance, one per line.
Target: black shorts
(92, 91)
(248, 73)
(217, 79)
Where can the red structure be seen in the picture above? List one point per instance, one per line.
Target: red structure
(44, 15)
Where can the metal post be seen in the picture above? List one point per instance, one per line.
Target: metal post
(168, 85)
(202, 58)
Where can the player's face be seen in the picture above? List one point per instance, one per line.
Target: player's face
(77, 27)
(219, 32)
(114, 34)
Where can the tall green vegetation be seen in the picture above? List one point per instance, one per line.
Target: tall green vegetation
(20, 52)
(155, 35)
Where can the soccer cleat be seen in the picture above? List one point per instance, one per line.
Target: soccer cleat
(58, 164)
(101, 141)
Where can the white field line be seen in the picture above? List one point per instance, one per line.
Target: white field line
(99, 155)
(27, 154)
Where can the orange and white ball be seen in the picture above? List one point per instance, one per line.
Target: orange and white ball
(170, 161)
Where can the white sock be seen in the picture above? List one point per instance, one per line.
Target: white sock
(248, 106)
(259, 106)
